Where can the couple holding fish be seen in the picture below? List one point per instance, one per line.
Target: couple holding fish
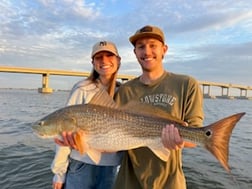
(140, 167)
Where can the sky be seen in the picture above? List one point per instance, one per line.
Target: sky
(210, 40)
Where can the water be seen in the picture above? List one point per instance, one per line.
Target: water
(25, 159)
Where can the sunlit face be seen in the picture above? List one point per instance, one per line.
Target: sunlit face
(149, 53)
(106, 63)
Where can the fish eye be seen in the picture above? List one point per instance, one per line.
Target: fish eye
(41, 123)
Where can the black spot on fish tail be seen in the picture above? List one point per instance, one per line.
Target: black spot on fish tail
(208, 133)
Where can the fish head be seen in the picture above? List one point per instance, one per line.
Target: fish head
(54, 124)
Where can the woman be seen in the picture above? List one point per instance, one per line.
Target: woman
(73, 170)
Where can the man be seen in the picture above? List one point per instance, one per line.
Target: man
(179, 95)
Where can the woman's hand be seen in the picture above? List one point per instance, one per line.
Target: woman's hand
(68, 139)
(57, 185)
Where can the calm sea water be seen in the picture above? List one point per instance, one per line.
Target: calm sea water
(25, 159)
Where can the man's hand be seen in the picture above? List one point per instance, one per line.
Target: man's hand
(171, 138)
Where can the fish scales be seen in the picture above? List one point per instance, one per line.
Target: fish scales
(130, 127)
(129, 123)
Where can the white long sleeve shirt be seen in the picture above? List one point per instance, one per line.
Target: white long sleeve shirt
(81, 93)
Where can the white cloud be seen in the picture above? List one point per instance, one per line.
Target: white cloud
(61, 33)
(71, 7)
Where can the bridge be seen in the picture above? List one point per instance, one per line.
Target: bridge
(206, 85)
(47, 72)
(225, 90)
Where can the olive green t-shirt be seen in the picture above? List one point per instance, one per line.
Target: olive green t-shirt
(181, 97)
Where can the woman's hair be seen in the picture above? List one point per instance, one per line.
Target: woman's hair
(113, 83)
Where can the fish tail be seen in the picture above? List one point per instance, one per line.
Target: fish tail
(219, 134)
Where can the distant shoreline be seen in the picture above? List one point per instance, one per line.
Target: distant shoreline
(55, 90)
(213, 97)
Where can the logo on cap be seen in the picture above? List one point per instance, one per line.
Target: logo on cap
(146, 29)
(104, 46)
(103, 43)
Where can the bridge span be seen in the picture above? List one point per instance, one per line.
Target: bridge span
(47, 72)
(225, 90)
(206, 85)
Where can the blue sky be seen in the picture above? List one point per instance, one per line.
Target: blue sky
(209, 40)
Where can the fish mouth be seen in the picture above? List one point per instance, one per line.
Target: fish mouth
(44, 136)
(40, 132)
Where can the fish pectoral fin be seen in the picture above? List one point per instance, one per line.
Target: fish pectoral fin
(188, 144)
(95, 155)
(82, 146)
(79, 139)
(162, 153)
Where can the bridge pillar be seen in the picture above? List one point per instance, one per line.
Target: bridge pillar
(226, 94)
(45, 84)
(223, 93)
(245, 93)
(207, 94)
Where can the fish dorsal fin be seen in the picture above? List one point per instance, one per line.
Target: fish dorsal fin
(102, 98)
(149, 110)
